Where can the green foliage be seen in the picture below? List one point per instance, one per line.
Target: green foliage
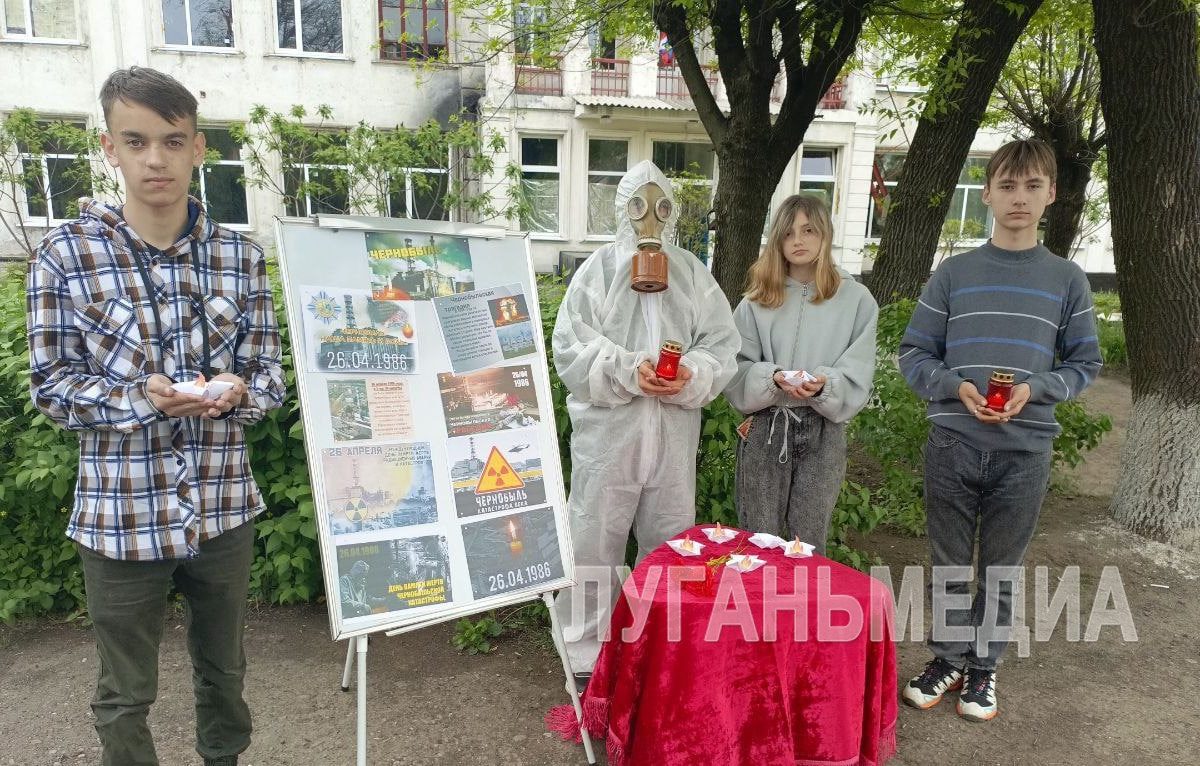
(403, 172)
(25, 198)
(889, 433)
(693, 198)
(716, 463)
(1081, 431)
(1107, 305)
(1110, 329)
(476, 636)
(39, 571)
(530, 622)
(287, 566)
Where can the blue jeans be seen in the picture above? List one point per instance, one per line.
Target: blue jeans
(999, 493)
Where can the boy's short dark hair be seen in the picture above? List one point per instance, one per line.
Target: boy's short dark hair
(154, 90)
(1021, 157)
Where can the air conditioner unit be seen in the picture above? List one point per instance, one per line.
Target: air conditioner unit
(568, 262)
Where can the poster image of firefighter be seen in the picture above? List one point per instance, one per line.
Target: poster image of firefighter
(418, 266)
(393, 575)
(494, 399)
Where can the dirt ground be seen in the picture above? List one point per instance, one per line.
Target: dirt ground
(1068, 704)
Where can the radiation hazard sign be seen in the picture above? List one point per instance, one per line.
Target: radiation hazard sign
(497, 475)
(496, 472)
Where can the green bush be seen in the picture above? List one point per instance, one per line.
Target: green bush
(287, 568)
(1110, 328)
(39, 571)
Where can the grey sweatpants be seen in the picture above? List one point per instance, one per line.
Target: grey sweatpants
(789, 472)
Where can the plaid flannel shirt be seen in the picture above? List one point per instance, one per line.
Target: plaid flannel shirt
(151, 487)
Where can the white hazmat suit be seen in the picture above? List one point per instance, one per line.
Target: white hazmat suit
(633, 455)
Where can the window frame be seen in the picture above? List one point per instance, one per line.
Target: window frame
(557, 169)
(240, 162)
(525, 34)
(405, 39)
(299, 51)
(832, 178)
(190, 46)
(48, 220)
(710, 182)
(306, 169)
(988, 222)
(410, 192)
(32, 37)
(589, 235)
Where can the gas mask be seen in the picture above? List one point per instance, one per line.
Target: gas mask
(648, 210)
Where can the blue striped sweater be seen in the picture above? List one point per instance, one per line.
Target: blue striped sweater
(1024, 311)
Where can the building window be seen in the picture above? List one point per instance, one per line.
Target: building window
(540, 184)
(57, 173)
(203, 23)
(608, 159)
(311, 189)
(691, 168)
(817, 174)
(420, 192)
(312, 26)
(682, 158)
(52, 19)
(222, 186)
(530, 22)
(413, 30)
(974, 218)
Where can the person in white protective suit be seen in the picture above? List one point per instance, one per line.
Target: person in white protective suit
(634, 438)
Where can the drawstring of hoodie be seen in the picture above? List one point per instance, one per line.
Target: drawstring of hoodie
(789, 414)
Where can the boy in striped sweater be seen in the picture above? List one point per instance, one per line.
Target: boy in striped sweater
(1011, 306)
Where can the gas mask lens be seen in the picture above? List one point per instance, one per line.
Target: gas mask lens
(662, 209)
(636, 207)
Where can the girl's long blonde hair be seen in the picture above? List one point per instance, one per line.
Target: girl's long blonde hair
(765, 285)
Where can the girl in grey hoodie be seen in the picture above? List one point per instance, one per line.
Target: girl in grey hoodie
(801, 314)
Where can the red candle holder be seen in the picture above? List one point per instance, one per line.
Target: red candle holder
(999, 390)
(668, 360)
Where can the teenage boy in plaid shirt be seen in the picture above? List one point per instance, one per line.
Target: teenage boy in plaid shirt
(122, 302)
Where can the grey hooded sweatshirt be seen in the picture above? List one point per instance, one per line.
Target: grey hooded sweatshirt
(835, 338)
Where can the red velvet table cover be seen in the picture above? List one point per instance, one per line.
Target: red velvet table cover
(748, 697)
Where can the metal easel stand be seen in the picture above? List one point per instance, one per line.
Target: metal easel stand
(561, 646)
(358, 645)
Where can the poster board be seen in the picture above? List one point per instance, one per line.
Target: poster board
(428, 419)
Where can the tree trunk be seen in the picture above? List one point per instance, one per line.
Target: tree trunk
(742, 203)
(1064, 216)
(985, 35)
(1150, 94)
(753, 151)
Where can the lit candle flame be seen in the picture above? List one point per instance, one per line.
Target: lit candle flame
(512, 530)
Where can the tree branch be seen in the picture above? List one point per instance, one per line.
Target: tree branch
(672, 19)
